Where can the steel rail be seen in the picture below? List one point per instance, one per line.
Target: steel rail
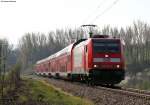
(128, 91)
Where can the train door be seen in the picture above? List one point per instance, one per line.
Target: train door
(86, 58)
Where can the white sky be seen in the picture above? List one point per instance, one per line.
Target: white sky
(24, 16)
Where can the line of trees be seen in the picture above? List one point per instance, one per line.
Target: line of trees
(35, 46)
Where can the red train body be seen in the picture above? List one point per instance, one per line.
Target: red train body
(99, 60)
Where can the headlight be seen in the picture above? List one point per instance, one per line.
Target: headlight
(118, 66)
(95, 65)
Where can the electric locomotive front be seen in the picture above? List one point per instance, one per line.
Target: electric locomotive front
(107, 63)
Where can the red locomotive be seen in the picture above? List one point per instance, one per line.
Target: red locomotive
(98, 59)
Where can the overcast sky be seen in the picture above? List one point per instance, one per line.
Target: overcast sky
(24, 16)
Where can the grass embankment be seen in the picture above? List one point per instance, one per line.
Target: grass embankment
(36, 92)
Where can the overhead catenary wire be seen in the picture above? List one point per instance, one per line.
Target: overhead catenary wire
(107, 9)
(94, 11)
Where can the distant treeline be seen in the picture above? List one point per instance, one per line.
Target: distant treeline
(36, 46)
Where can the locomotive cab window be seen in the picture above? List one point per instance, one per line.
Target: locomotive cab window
(106, 46)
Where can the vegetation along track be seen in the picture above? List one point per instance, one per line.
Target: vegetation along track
(102, 95)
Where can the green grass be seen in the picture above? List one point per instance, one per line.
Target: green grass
(41, 91)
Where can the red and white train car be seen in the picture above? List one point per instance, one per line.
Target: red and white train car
(98, 59)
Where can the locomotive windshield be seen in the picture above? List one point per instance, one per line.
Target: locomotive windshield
(106, 46)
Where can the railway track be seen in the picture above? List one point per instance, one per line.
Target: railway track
(117, 89)
(124, 91)
(128, 91)
(103, 95)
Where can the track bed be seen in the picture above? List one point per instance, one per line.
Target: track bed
(102, 95)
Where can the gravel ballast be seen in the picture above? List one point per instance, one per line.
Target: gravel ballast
(98, 96)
